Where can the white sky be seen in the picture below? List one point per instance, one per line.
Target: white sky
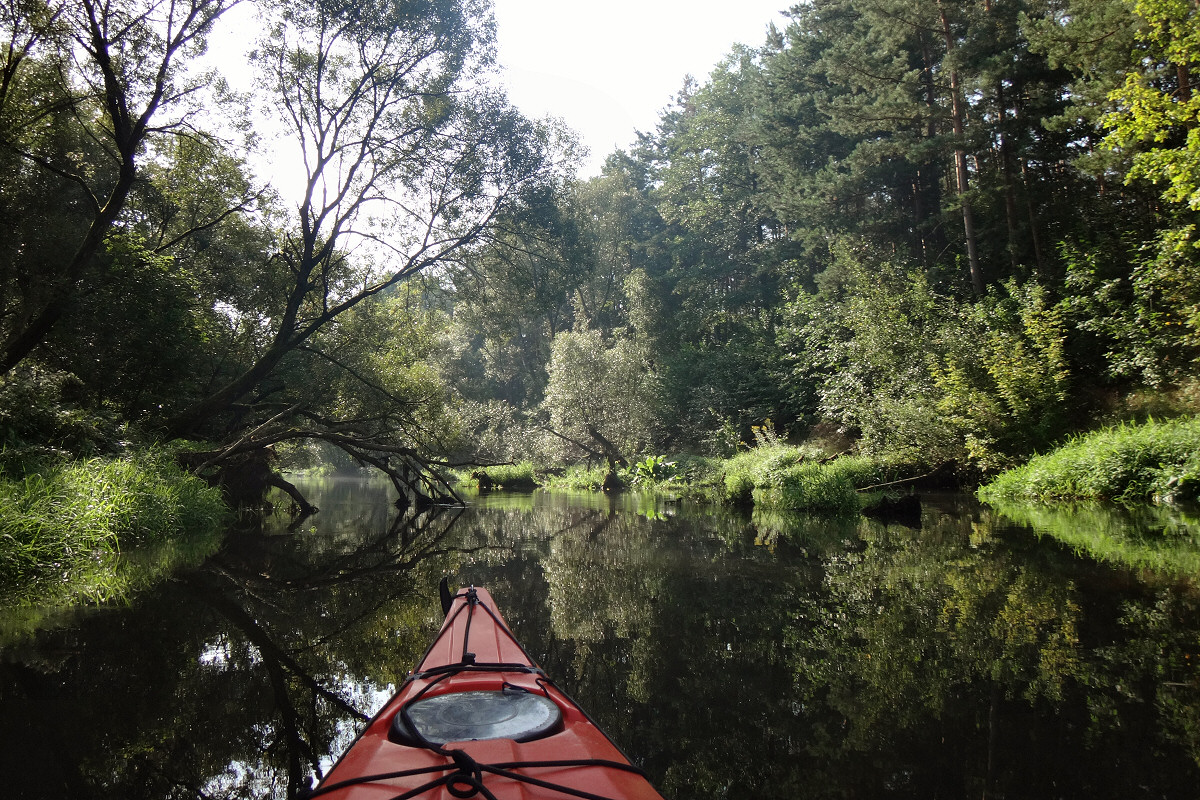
(608, 68)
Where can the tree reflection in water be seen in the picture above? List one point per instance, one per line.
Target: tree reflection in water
(765, 657)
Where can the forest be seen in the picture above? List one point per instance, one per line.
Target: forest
(937, 234)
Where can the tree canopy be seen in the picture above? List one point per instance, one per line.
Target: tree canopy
(952, 232)
(202, 305)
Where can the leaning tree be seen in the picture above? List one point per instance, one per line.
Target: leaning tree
(408, 156)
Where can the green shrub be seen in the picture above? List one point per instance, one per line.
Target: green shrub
(925, 377)
(1179, 483)
(808, 487)
(43, 423)
(579, 478)
(739, 487)
(1155, 461)
(868, 343)
(759, 467)
(1141, 323)
(793, 478)
(73, 513)
(1003, 380)
(518, 477)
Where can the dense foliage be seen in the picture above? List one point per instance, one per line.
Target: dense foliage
(156, 286)
(935, 234)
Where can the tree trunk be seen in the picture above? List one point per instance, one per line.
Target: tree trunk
(961, 173)
(307, 509)
(928, 177)
(611, 453)
(1008, 171)
(1034, 238)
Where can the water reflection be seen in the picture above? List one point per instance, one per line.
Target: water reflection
(1160, 538)
(732, 656)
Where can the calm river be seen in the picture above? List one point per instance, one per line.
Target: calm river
(730, 655)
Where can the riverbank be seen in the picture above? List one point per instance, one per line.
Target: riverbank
(773, 476)
(1152, 462)
(66, 523)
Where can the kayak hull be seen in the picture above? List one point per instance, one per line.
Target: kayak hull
(476, 652)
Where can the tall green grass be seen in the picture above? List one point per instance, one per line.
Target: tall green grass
(793, 478)
(57, 521)
(1131, 463)
(578, 478)
(517, 477)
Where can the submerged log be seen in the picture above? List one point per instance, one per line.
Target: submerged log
(903, 510)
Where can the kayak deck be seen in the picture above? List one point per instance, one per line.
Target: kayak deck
(398, 756)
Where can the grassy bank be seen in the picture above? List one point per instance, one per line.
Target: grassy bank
(61, 521)
(797, 479)
(1129, 464)
(771, 476)
(522, 477)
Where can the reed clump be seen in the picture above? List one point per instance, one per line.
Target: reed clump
(521, 476)
(1131, 463)
(54, 521)
(797, 479)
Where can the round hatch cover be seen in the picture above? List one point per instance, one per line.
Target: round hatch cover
(463, 716)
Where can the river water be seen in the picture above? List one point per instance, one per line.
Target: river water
(730, 655)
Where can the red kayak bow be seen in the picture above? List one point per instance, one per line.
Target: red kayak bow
(478, 718)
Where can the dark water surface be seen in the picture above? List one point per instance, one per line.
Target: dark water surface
(731, 656)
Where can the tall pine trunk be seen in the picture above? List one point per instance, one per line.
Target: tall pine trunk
(962, 178)
(1008, 175)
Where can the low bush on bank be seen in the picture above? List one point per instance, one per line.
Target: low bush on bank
(772, 475)
(694, 476)
(809, 487)
(54, 521)
(1151, 462)
(517, 477)
(578, 478)
(762, 466)
(799, 479)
